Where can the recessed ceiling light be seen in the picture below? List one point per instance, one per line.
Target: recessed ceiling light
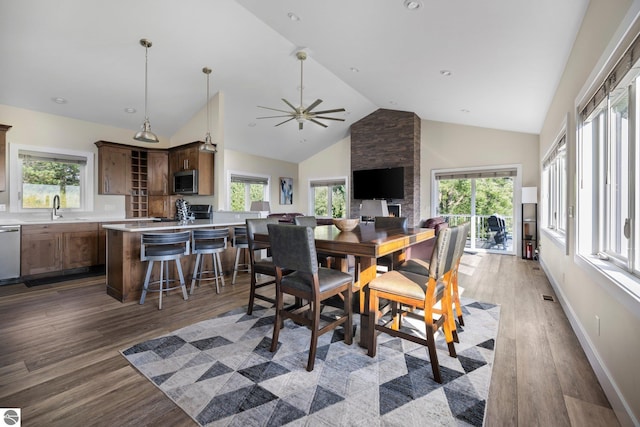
(130, 110)
(59, 100)
(354, 70)
(393, 103)
(464, 110)
(303, 140)
(412, 4)
(252, 124)
(446, 73)
(292, 16)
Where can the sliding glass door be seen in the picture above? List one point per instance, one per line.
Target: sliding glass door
(484, 198)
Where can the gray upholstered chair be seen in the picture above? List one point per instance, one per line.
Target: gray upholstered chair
(259, 265)
(163, 247)
(325, 260)
(293, 248)
(409, 291)
(208, 242)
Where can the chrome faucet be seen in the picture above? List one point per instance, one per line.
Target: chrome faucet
(56, 206)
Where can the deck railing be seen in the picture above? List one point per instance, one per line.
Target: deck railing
(481, 224)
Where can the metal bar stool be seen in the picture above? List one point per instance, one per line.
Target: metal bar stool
(164, 247)
(241, 244)
(205, 242)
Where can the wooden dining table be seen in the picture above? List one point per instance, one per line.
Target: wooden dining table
(366, 244)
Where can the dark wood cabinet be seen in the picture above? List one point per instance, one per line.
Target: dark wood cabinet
(3, 156)
(47, 248)
(114, 166)
(162, 206)
(158, 173)
(189, 157)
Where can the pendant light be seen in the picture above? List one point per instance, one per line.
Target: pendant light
(208, 145)
(145, 135)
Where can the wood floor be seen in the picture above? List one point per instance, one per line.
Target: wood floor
(60, 360)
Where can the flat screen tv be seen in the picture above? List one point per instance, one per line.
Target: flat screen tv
(387, 183)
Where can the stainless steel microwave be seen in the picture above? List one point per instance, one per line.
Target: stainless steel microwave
(185, 182)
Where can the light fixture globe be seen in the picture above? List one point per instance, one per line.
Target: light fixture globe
(145, 134)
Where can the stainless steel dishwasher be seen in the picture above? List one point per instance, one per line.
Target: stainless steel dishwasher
(9, 252)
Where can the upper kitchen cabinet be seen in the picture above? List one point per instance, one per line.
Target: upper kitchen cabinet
(158, 172)
(189, 157)
(3, 156)
(114, 168)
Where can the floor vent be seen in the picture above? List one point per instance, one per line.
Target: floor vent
(548, 298)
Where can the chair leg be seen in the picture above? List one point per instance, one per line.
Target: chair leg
(220, 270)
(433, 355)
(146, 282)
(235, 266)
(348, 326)
(195, 273)
(373, 321)
(252, 293)
(182, 284)
(456, 300)
(277, 322)
(315, 325)
(160, 285)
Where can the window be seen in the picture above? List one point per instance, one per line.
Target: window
(609, 168)
(38, 174)
(245, 189)
(328, 198)
(554, 181)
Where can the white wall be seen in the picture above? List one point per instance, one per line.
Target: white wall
(47, 130)
(332, 162)
(445, 145)
(238, 162)
(614, 351)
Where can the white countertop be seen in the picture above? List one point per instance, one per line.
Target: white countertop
(141, 226)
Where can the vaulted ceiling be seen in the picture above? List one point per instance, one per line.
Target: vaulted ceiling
(488, 63)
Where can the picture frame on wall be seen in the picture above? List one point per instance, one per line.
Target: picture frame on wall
(286, 191)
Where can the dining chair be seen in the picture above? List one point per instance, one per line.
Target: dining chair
(421, 266)
(208, 242)
(325, 260)
(410, 292)
(259, 265)
(163, 247)
(387, 222)
(293, 248)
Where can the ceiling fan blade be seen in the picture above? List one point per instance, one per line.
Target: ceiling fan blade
(288, 120)
(275, 117)
(274, 109)
(318, 123)
(312, 106)
(290, 105)
(337, 110)
(328, 118)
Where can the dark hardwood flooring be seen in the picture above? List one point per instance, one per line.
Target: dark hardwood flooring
(60, 360)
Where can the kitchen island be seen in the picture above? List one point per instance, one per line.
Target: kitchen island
(124, 269)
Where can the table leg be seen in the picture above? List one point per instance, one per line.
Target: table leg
(365, 273)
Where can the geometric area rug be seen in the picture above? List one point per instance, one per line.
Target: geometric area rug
(221, 373)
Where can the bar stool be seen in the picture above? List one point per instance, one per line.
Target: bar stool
(241, 244)
(164, 247)
(205, 242)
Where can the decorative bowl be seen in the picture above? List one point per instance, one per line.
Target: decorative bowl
(346, 224)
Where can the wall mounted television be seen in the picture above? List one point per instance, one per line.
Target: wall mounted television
(386, 183)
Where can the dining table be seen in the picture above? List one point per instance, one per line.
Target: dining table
(366, 244)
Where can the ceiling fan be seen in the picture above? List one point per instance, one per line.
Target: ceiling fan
(302, 114)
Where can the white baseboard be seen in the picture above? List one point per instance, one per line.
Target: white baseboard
(617, 400)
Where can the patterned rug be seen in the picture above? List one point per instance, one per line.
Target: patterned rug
(221, 373)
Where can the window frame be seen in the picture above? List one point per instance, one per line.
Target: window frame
(555, 189)
(87, 187)
(247, 199)
(332, 181)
